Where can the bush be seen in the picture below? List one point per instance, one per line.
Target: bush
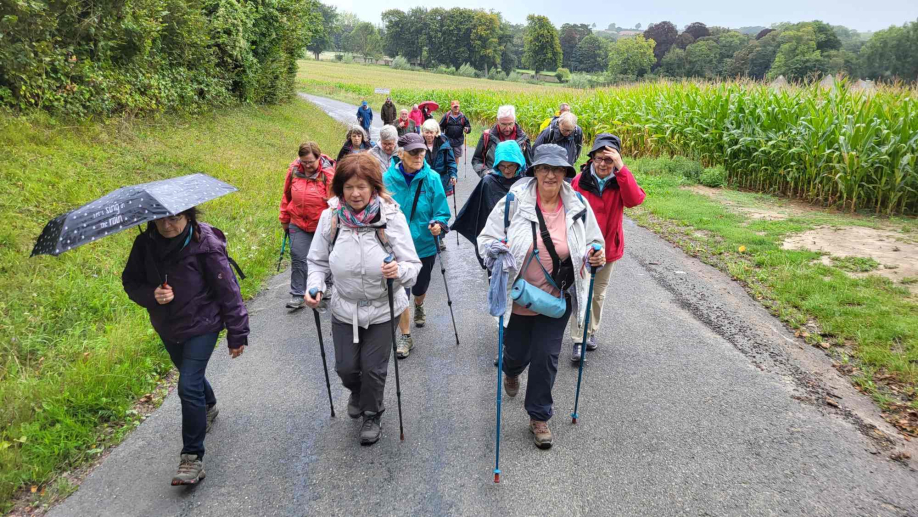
(713, 177)
(400, 63)
(446, 70)
(582, 81)
(348, 59)
(339, 57)
(515, 77)
(466, 70)
(497, 74)
(563, 75)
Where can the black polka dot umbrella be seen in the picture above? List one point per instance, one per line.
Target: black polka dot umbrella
(125, 208)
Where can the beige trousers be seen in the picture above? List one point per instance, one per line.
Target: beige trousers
(599, 295)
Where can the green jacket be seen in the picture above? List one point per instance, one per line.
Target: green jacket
(432, 204)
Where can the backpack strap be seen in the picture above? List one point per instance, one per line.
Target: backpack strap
(487, 139)
(384, 240)
(546, 240)
(507, 211)
(417, 195)
(333, 231)
(235, 266)
(581, 215)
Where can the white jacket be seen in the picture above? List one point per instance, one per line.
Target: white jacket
(580, 236)
(355, 262)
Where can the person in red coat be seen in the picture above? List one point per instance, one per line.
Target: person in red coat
(609, 188)
(306, 193)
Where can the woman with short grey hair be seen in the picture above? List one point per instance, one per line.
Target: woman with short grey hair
(386, 148)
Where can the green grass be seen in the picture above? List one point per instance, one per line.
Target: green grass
(75, 353)
(855, 264)
(869, 318)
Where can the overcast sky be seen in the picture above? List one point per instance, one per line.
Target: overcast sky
(860, 15)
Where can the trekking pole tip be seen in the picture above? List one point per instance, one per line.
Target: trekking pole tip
(497, 475)
(573, 418)
(402, 436)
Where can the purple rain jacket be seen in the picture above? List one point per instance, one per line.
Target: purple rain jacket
(207, 297)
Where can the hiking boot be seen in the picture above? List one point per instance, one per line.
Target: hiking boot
(592, 344)
(420, 317)
(512, 385)
(541, 434)
(212, 413)
(353, 405)
(405, 344)
(576, 353)
(296, 302)
(371, 429)
(190, 470)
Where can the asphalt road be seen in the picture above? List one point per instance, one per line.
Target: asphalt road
(695, 404)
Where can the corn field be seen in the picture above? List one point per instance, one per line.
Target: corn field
(834, 147)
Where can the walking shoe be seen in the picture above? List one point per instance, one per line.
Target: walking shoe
(212, 413)
(296, 302)
(592, 344)
(405, 344)
(512, 385)
(353, 405)
(190, 470)
(541, 433)
(575, 355)
(371, 429)
(420, 317)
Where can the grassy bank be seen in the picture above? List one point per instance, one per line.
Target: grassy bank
(867, 323)
(75, 353)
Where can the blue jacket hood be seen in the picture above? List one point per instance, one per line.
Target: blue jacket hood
(509, 151)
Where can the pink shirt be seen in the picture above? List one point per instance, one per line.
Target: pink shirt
(557, 227)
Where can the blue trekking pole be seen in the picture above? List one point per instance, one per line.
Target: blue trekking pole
(586, 329)
(313, 292)
(283, 247)
(398, 386)
(500, 367)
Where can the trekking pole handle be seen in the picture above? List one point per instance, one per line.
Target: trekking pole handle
(313, 292)
(596, 248)
(389, 259)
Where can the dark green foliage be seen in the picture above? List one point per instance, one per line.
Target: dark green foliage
(665, 34)
(76, 58)
(571, 36)
(542, 45)
(591, 55)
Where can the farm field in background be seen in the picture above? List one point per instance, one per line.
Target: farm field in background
(830, 146)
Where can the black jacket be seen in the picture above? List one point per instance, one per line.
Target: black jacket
(455, 129)
(572, 143)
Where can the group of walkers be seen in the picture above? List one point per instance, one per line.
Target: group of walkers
(365, 231)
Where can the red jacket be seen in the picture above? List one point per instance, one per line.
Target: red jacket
(305, 199)
(619, 193)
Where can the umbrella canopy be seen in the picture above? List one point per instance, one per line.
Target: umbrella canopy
(431, 106)
(125, 208)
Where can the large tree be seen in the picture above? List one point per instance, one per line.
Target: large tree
(701, 59)
(664, 34)
(698, 30)
(542, 47)
(673, 63)
(457, 37)
(631, 56)
(364, 40)
(485, 41)
(512, 36)
(344, 24)
(570, 36)
(892, 53)
(325, 33)
(798, 56)
(591, 55)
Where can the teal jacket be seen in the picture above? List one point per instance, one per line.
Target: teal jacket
(432, 204)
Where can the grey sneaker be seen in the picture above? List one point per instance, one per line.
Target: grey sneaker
(420, 317)
(541, 434)
(296, 302)
(405, 344)
(592, 344)
(512, 385)
(371, 429)
(575, 354)
(212, 413)
(353, 405)
(190, 470)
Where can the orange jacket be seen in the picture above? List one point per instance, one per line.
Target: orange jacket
(304, 199)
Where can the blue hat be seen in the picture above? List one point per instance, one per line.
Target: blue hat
(364, 103)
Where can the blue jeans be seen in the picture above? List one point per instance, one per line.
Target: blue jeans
(535, 341)
(190, 358)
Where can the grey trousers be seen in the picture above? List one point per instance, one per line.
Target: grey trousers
(363, 366)
(300, 241)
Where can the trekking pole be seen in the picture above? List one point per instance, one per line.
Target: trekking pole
(449, 301)
(283, 247)
(500, 367)
(455, 209)
(465, 156)
(398, 386)
(313, 292)
(586, 331)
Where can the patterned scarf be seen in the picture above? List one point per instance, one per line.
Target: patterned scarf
(360, 219)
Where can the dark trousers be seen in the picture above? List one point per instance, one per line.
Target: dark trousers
(363, 366)
(190, 358)
(300, 242)
(535, 341)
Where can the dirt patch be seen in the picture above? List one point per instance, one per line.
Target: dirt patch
(897, 254)
(757, 213)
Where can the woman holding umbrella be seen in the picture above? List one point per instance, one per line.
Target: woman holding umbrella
(545, 205)
(362, 227)
(178, 270)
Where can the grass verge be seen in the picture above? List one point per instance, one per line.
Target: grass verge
(868, 324)
(75, 353)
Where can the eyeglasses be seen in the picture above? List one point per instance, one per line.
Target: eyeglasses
(604, 161)
(557, 171)
(416, 152)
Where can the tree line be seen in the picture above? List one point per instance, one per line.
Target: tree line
(439, 37)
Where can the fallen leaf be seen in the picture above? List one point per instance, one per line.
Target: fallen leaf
(33, 489)
(742, 249)
(831, 402)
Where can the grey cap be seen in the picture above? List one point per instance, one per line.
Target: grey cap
(411, 141)
(553, 155)
(604, 140)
